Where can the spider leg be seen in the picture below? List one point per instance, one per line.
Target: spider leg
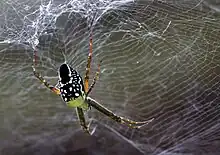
(43, 81)
(82, 120)
(122, 120)
(39, 76)
(94, 80)
(86, 79)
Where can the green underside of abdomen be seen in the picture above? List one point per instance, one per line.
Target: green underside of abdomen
(78, 102)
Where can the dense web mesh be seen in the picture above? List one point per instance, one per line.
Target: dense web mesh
(160, 60)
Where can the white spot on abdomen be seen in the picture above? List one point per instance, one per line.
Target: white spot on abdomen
(76, 94)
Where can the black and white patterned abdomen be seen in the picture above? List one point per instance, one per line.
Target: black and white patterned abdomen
(72, 89)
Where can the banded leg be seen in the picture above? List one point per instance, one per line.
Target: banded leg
(94, 79)
(42, 80)
(88, 66)
(82, 120)
(122, 120)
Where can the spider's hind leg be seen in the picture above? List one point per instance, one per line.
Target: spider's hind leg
(94, 79)
(88, 66)
(43, 81)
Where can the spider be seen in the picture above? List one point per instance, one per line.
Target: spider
(74, 92)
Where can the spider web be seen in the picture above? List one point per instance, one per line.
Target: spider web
(160, 60)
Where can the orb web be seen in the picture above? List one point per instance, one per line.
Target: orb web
(160, 60)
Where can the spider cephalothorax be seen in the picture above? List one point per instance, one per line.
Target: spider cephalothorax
(71, 87)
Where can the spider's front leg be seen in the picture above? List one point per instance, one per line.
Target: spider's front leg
(122, 120)
(82, 120)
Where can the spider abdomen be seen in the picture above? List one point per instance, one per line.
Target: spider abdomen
(73, 95)
(72, 90)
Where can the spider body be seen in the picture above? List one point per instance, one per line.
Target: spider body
(74, 92)
(71, 87)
